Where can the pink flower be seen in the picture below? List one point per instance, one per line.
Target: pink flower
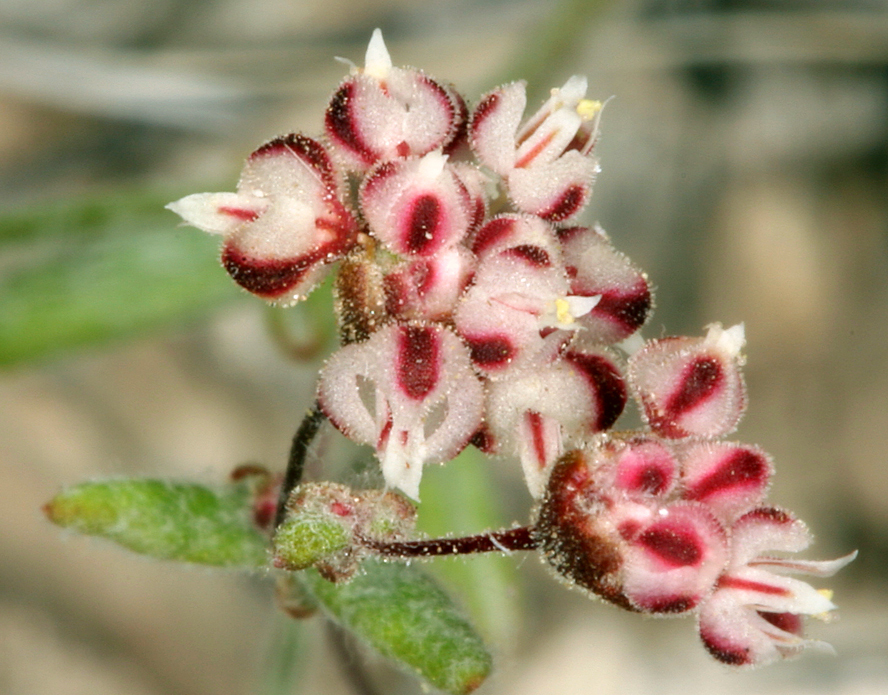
(755, 616)
(284, 225)
(410, 392)
(691, 387)
(547, 161)
(382, 112)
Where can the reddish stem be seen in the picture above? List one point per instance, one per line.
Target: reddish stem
(521, 538)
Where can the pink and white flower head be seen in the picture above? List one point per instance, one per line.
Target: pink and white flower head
(755, 616)
(547, 162)
(691, 387)
(383, 112)
(284, 225)
(410, 392)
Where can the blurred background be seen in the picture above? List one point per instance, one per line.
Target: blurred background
(744, 166)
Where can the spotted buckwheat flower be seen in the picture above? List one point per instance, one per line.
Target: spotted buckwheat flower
(755, 616)
(547, 161)
(285, 223)
(474, 309)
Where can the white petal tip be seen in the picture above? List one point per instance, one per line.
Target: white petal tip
(377, 61)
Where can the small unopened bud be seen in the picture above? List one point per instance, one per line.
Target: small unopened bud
(328, 526)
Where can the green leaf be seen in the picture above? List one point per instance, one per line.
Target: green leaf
(461, 498)
(404, 615)
(170, 521)
(86, 273)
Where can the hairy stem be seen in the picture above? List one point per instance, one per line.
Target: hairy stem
(521, 538)
(311, 423)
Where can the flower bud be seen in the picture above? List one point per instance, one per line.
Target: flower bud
(691, 387)
(328, 526)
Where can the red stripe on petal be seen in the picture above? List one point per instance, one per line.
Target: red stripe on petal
(418, 358)
(743, 468)
(538, 436)
(484, 108)
(729, 582)
(535, 256)
(239, 213)
(703, 377)
(491, 233)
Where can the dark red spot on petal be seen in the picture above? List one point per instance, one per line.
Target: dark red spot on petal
(743, 468)
(568, 204)
(491, 233)
(700, 380)
(425, 219)
(403, 149)
(491, 351)
(340, 124)
(651, 479)
(673, 545)
(607, 385)
(629, 310)
(418, 360)
(726, 653)
(670, 604)
(267, 278)
(535, 256)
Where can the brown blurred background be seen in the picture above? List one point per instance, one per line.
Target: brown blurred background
(745, 162)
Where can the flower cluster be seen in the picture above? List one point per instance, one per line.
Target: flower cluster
(670, 519)
(474, 309)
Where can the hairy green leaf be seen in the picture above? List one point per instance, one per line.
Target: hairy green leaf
(170, 521)
(403, 614)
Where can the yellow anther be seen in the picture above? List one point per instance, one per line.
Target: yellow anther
(588, 109)
(562, 311)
